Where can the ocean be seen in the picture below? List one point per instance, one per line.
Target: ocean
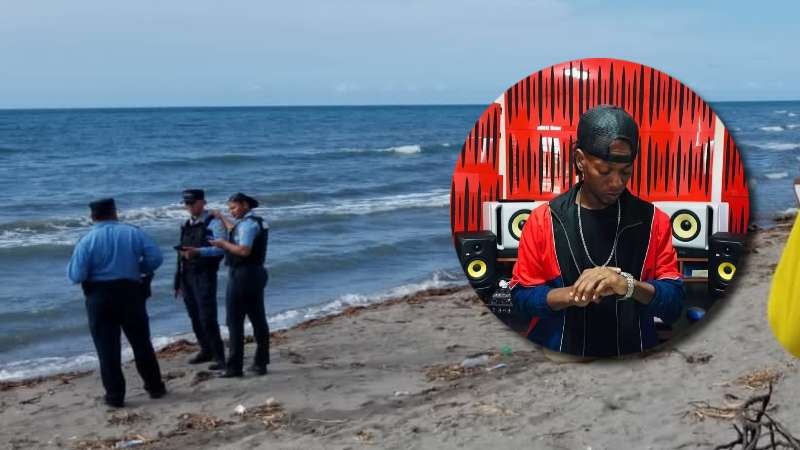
(356, 199)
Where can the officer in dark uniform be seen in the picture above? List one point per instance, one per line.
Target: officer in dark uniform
(111, 262)
(245, 256)
(196, 277)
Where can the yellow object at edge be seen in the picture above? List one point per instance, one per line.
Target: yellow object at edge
(783, 310)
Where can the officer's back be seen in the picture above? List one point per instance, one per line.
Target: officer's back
(113, 250)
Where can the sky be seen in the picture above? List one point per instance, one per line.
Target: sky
(96, 53)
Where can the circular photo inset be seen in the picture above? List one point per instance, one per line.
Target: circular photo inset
(599, 207)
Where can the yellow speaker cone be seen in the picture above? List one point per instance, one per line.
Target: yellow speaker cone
(685, 225)
(726, 271)
(476, 269)
(517, 221)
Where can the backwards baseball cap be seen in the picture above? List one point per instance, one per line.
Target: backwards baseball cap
(192, 195)
(241, 198)
(600, 126)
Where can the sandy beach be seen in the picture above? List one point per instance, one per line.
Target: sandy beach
(390, 376)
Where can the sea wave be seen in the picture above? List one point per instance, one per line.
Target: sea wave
(66, 232)
(777, 146)
(776, 175)
(286, 319)
(771, 128)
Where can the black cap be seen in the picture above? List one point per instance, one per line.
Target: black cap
(192, 195)
(239, 198)
(600, 126)
(103, 207)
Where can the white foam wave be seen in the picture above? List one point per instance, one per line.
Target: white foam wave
(786, 214)
(791, 114)
(780, 111)
(792, 126)
(401, 149)
(50, 365)
(434, 199)
(404, 149)
(777, 175)
(771, 128)
(778, 146)
(68, 233)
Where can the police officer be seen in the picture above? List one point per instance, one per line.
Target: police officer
(247, 278)
(110, 262)
(196, 277)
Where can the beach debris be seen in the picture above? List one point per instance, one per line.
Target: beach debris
(486, 409)
(278, 337)
(401, 393)
(475, 361)
(472, 365)
(127, 418)
(695, 358)
(178, 347)
(759, 379)
(497, 366)
(757, 427)
(240, 410)
(506, 350)
(64, 378)
(200, 377)
(128, 441)
(271, 414)
(364, 436)
(173, 374)
(292, 356)
(32, 400)
(200, 422)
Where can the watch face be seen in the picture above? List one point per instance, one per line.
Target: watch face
(686, 201)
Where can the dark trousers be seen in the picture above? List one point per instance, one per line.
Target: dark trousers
(200, 296)
(245, 298)
(114, 307)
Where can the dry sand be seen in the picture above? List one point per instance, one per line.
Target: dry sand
(388, 376)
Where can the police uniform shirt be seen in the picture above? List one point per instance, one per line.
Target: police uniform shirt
(113, 251)
(217, 230)
(247, 230)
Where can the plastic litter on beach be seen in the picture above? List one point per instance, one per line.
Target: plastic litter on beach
(476, 361)
(129, 444)
(498, 366)
(240, 410)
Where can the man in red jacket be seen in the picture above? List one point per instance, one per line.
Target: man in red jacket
(596, 264)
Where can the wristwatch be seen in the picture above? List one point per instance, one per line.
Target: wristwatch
(631, 285)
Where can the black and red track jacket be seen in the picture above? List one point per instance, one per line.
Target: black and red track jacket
(551, 256)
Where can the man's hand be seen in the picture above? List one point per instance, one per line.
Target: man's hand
(219, 243)
(189, 252)
(596, 283)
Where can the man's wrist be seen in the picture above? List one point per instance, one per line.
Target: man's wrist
(629, 283)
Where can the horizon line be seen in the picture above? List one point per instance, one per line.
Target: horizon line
(365, 105)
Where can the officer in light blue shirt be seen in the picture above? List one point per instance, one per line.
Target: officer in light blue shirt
(111, 262)
(196, 277)
(245, 255)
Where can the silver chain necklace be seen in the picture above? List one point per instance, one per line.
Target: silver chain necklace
(583, 240)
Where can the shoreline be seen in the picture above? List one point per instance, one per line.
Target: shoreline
(183, 345)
